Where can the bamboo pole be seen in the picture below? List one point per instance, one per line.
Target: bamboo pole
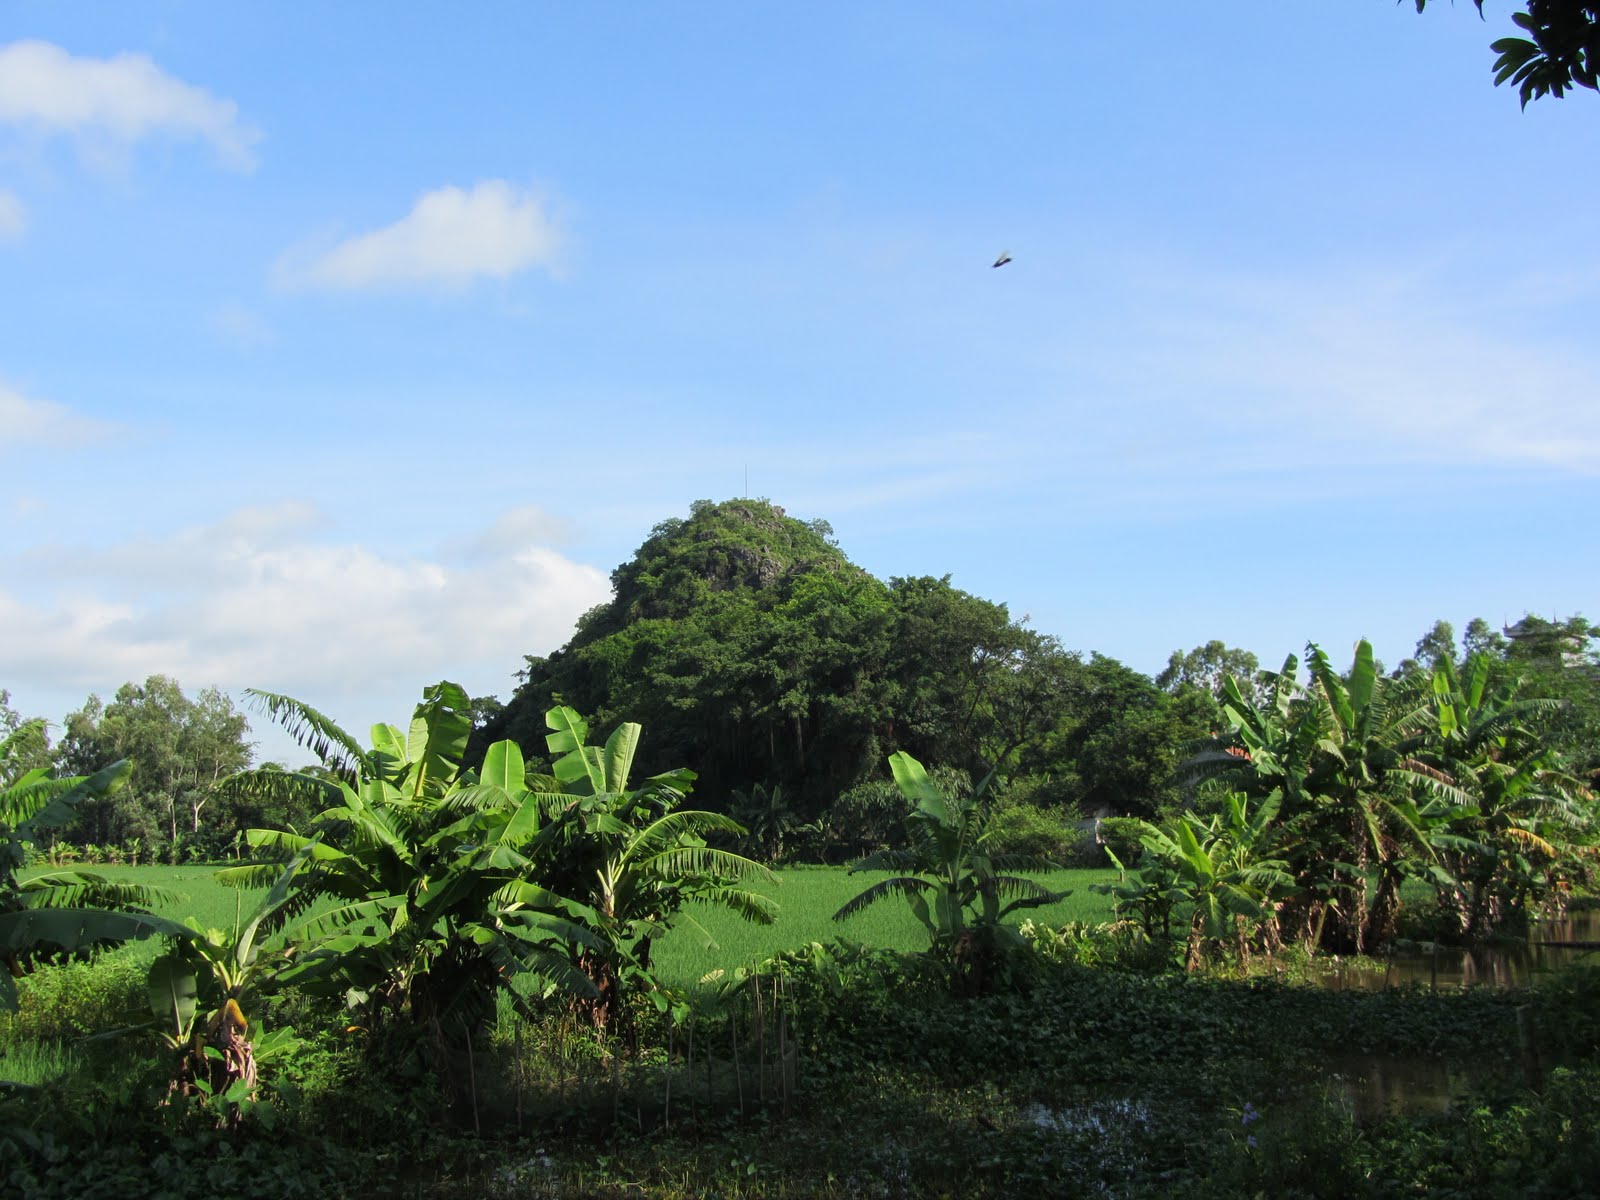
(666, 1105)
(783, 1045)
(733, 1040)
(519, 1073)
(472, 1082)
(761, 1040)
(616, 1086)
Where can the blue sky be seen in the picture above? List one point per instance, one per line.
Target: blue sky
(340, 352)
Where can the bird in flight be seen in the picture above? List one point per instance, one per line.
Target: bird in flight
(1004, 258)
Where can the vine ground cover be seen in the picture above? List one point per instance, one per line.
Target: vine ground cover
(1087, 1082)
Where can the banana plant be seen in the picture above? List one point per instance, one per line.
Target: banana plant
(1526, 811)
(1223, 869)
(1152, 893)
(635, 859)
(430, 870)
(201, 990)
(958, 891)
(1347, 754)
(61, 911)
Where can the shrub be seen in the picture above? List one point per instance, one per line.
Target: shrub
(867, 818)
(1029, 832)
(77, 997)
(1121, 836)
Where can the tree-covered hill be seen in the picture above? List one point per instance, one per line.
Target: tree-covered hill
(752, 650)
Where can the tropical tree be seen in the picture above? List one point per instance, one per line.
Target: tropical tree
(26, 741)
(1118, 740)
(201, 992)
(767, 817)
(1152, 893)
(1206, 666)
(1220, 868)
(1561, 51)
(957, 889)
(180, 747)
(1526, 811)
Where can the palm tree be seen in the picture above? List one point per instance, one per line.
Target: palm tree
(767, 816)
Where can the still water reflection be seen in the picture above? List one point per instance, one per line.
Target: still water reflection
(1550, 946)
(1387, 1085)
(1381, 1085)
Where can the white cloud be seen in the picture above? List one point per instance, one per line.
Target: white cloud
(119, 101)
(256, 600)
(13, 216)
(450, 238)
(24, 420)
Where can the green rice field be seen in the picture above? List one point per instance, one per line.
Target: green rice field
(807, 898)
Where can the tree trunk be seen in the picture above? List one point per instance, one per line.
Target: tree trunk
(1194, 959)
(1385, 912)
(602, 1009)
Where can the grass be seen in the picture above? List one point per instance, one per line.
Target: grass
(194, 890)
(809, 896)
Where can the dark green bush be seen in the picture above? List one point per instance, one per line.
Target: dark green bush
(1035, 833)
(1121, 836)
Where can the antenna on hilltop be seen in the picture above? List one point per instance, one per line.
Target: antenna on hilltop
(747, 481)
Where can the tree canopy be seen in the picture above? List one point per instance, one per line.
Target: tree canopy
(1561, 51)
(758, 655)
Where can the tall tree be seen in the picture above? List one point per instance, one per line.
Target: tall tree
(27, 741)
(1118, 739)
(1480, 637)
(1205, 667)
(1437, 646)
(180, 749)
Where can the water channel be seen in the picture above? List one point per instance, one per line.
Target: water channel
(1379, 1085)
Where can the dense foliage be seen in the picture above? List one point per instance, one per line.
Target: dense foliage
(1364, 783)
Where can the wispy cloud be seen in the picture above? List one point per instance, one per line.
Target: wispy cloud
(1364, 369)
(114, 102)
(511, 533)
(242, 327)
(13, 216)
(263, 599)
(1409, 381)
(450, 238)
(27, 420)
